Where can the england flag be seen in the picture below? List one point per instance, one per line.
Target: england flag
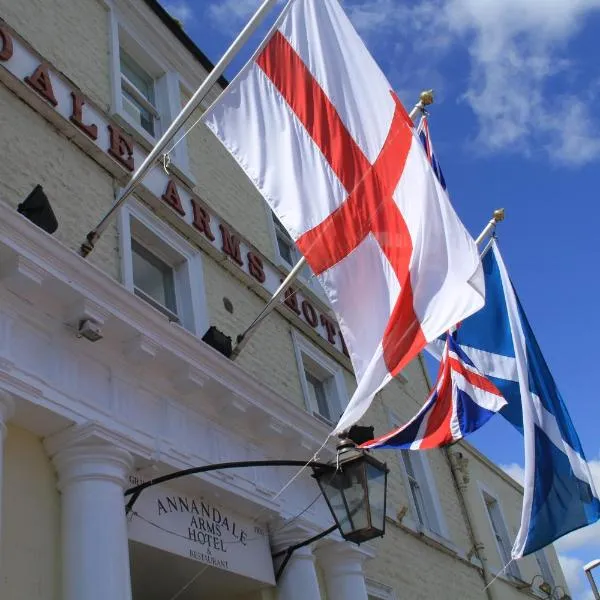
(316, 126)
(461, 402)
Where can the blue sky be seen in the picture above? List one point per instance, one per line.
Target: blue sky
(514, 125)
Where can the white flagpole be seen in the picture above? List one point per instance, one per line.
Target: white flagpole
(425, 99)
(489, 228)
(94, 235)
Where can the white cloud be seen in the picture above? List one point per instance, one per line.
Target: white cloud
(515, 471)
(573, 571)
(180, 10)
(517, 50)
(576, 580)
(226, 11)
(229, 14)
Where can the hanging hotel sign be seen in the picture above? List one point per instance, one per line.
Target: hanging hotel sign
(201, 529)
(53, 95)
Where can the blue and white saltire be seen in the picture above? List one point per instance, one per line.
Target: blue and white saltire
(559, 493)
(461, 402)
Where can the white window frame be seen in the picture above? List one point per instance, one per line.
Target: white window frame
(168, 99)
(544, 565)
(428, 485)
(188, 273)
(380, 591)
(310, 282)
(337, 382)
(512, 571)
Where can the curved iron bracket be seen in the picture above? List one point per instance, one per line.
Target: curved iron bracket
(135, 491)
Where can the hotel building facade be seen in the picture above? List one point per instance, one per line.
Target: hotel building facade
(111, 374)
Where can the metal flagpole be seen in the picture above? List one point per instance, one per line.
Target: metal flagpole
(425, 99)
(489, 228)
(94, 235)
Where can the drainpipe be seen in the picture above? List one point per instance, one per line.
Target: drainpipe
(460, 477)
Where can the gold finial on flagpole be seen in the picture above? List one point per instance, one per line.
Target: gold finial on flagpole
(426, 97)
(491, 226)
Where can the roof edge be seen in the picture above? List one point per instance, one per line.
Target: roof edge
(177, 30)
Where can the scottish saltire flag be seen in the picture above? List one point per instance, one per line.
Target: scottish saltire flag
(559, 491)
(353, 187)
(461, 401)
(423, 132)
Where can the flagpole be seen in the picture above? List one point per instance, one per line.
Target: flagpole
(94, 235)
(489, 228)
(425, 99)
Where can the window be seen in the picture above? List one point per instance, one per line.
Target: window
(289, 255)
(322, 381)
(544, 566)
(138, 95)
(162, 269)
(147, 88)
(420, 492)
(500, 534)
(287, 249)
(153, 280)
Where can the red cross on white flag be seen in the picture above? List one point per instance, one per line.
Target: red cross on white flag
(315, 125)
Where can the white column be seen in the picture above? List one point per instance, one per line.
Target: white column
(92, 473)
(7, 408)
(342, 565)
(299, 578)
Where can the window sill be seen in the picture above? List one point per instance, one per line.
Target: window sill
(156, 305)
(422, 532)
(322, 419)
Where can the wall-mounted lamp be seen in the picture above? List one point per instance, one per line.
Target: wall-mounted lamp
(36, 207)
(218, 340)
(562, 595)
(90, 330)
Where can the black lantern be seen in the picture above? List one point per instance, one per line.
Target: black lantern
(355, 491)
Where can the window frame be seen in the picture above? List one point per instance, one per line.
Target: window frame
(511, 571)
(335, 371)
(544, 565)
(172, 249)
(167, 85)
(171, 269)
(311, 282)
(379, 591)
(127, 86)
(429, 487)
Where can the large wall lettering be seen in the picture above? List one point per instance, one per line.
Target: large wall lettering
(18, 60)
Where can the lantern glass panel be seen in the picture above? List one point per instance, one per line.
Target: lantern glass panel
(356, 496)
(332, 486)
(377, 488)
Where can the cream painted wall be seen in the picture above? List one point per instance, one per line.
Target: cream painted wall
(77, 47)
(509, 494)
(30, 563)
(79, 190)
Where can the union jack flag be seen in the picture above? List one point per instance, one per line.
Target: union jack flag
(461, 402)
(423, 131)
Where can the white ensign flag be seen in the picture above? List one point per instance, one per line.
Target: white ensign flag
(316, 126)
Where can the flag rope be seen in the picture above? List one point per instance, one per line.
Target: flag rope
(499, 573)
